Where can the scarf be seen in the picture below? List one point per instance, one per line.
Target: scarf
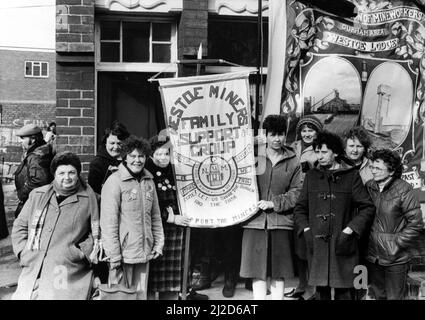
(137, 176)
(305, 145)
(39, 217)
(66, 192)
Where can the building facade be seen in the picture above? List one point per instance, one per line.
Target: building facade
(27, 95)
(108, 50)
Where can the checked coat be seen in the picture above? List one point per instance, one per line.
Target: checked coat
(166, 271)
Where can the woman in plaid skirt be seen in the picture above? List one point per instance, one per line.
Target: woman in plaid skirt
(166, 272)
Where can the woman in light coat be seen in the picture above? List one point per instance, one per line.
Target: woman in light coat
(53, 236)
(266, 245)
(131, 225)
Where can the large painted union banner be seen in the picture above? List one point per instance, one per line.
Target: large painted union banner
(209, 123)
(366, 71)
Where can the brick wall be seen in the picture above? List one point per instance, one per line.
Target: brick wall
(20, 114)
(75, 110)
(74, 25)
(23, 100)
(192, 30)
(14, 86)
(75, 114)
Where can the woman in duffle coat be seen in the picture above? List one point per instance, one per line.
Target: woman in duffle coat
(330, 201)
(52, 236)
(130, 220)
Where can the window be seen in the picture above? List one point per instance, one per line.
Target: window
(36, 69)
(135, 41)
(236, 41)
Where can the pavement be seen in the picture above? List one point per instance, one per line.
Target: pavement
(9, 265)
(215, 292)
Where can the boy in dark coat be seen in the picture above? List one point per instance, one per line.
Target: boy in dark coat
(333, 211)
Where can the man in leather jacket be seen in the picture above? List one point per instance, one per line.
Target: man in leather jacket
(397, 224)
(33, 172)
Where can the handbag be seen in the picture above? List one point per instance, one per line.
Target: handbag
(117, 291)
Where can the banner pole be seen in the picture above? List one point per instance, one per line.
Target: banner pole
(187, 237)
(259, 62)
(186, 262)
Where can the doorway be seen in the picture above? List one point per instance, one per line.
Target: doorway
(131, 99)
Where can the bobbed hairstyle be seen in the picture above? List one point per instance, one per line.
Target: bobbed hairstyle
(65, 158)
(116, 129)
(275, 124)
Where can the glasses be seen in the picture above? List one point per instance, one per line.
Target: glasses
(372, 168)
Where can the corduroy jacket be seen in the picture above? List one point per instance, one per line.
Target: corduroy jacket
(130, 218)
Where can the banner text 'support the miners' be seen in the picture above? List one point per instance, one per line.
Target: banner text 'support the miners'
(209, 123)
(365, 71)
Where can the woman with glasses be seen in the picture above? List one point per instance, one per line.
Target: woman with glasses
(397, 223)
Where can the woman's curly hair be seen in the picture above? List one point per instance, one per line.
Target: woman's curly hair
(391, 159)
(134, 143)
(331, 140)
(361, 134)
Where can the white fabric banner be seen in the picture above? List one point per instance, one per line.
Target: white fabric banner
(277, 56)
(209, 123)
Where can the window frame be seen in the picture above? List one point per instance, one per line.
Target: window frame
(137, 66)
(33, 64)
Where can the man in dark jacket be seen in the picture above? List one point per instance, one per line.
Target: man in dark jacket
(398, 222)
(34, 170)
(333, 211)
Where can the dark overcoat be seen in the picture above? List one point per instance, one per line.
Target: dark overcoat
(101, 167)
(329, 202)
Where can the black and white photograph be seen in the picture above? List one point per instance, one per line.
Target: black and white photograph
(224, 151)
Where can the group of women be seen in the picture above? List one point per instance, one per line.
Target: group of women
(58, 235)
(386, 248)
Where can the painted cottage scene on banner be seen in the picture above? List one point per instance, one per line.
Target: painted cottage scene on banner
(212, 150)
